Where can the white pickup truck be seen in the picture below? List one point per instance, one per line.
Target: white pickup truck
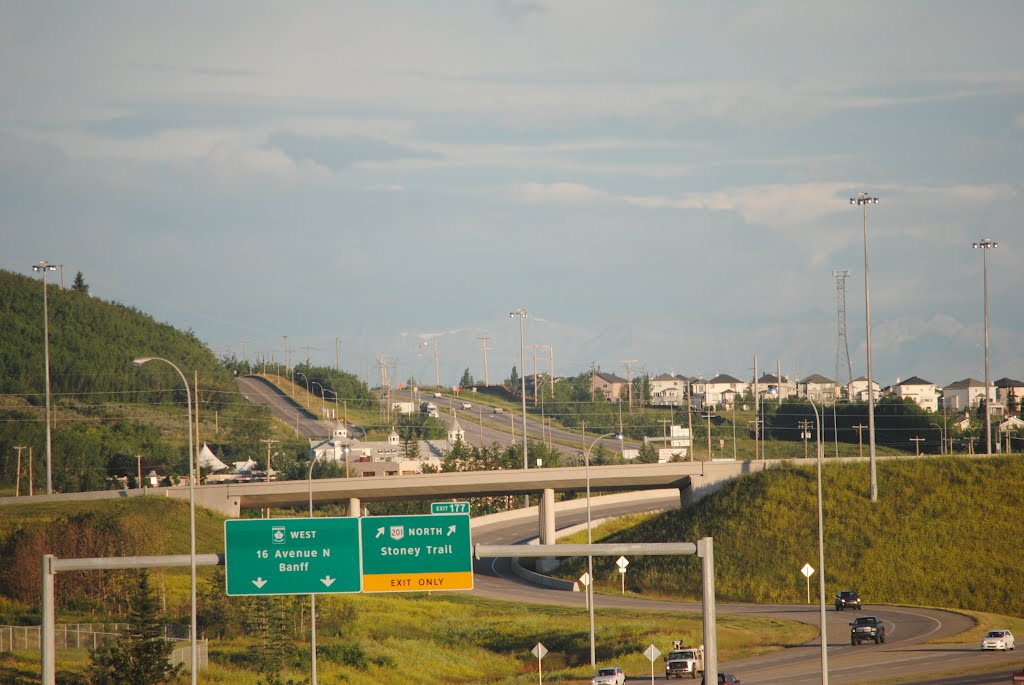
(686, 661)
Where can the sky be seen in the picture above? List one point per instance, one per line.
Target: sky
(661, 181)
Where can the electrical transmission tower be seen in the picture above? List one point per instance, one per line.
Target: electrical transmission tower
(843, 364)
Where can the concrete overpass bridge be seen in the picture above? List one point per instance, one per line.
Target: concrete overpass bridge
(692, 479)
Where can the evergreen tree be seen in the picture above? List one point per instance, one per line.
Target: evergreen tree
(80, 286)
(140, 656)
(513, 382)
(647, 455)
(467, 379)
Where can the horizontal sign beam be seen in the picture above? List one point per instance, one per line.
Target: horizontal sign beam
(99, 563)
(599, 550)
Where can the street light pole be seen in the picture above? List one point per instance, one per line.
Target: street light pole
(590, 557)
(863, 199)
(323, 400)
(139, 361)
(985, 245)
(521, 313)
(312, 596)
(305, 381)
(335, 402)
(821, 554)
(41, 268)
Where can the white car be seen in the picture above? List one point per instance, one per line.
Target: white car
(467, 405)
(998, 639)
(437, 394)
(609, 675)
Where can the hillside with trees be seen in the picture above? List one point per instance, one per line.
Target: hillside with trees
(105, 409)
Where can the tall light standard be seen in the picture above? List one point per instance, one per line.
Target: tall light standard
(821, 554)
(863, 199)
(521, 313)
(335, 401)
(312, 596)
(304, 380)
(985, 245)
(41, 268)
(139, 361)
(590, 557)
(323, 400)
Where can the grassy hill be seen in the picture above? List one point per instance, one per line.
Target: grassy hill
(945, 532)
(105, 410)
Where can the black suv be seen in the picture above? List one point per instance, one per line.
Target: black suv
(867, 628)
(847, 599)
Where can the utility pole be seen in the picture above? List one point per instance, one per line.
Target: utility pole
(551, 368)
(689, 413)
(860, 441)
(17, 488)
(245, 357)
(778, 376)
(805, 433)
(707, 414)
(757, 414)
(307, 348)
(629, 380)
(485, 348)
(337, 354)
(268, 442)
(31, 483)
(917, 445)
(287, 359)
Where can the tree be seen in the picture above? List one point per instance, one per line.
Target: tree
(513, 381)
(80, 286)
(140, 656)
(467, 379)
(647, 455)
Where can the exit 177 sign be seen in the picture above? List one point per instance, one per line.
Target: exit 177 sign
(408, 553)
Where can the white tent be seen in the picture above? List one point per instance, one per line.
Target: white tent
(208, 460)
(245, 466)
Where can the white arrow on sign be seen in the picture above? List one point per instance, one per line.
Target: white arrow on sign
(328, 581)
(652, 653)
(259, 582)
(539, 651)
(380, 531)
(451, 530)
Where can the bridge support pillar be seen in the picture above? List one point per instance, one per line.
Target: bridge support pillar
(353, 506)
(546, 528)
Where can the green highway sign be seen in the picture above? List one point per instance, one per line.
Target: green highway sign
(449, 507)
(294, 556)
(408, 553)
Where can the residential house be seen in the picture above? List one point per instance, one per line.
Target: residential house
(967, 394)
(1010, 394)
(609, 384)
(924, 393)
(769, 386)
(669, 390)
(857, 390)
(723, 388)
(818, 389)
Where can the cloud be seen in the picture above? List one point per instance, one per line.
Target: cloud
(560, 193)
(234, 166)
(343, 151)
(20, 156)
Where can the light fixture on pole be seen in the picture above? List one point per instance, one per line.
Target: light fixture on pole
(139, 361)
(985, 245)
(590, 557)
(304, 380)
(323, 400)
(521, 313)
(821, 553)
(41, 268)
(863, 199)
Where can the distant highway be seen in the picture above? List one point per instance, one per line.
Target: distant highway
(282, 407)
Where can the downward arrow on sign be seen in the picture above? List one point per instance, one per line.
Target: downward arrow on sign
(328, 581)
(259, 582)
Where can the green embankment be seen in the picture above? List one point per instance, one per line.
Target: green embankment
(944, 532)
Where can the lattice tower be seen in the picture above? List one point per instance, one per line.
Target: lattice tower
(843, 364)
